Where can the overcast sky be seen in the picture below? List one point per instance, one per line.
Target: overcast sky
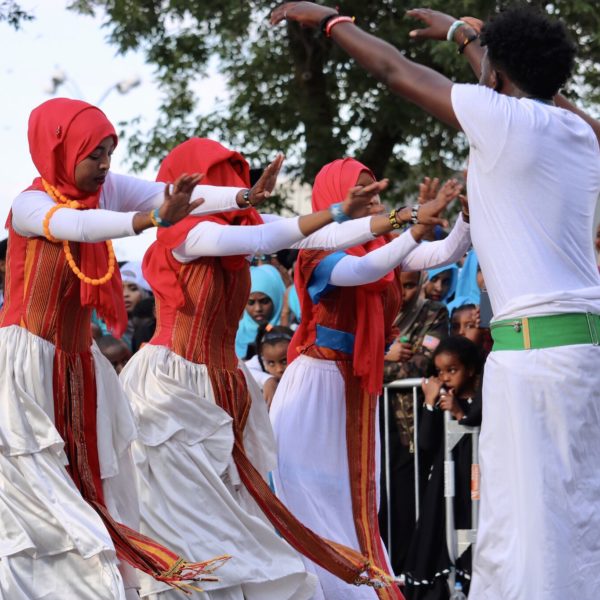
(61, 39)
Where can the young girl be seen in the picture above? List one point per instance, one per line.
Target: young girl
(455, 387)
(441, 283)
(270, 362)
(421, 325)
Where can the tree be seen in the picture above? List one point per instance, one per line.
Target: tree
(13, 14)
(293, 90)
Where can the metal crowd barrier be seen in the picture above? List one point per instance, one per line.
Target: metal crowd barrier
(458, 540)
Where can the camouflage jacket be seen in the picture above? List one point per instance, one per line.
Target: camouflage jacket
(430, 326)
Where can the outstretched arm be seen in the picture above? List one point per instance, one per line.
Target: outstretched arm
(436, 26)
(419, 84)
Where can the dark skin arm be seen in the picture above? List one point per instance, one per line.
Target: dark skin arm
(436, 28)
(419, 84)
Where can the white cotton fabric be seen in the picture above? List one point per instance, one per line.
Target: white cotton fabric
(533, 185)
(214, 239)
(404, 251)
(255, 369)
(47, 530)
(308, 415)
(122, 196)
(534, 180)
(539, 531)
(335, 235)
(185, 446)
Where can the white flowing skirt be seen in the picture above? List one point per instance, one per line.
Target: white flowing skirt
(53, 545)
(190, 492)
(308, 415)
(539, 528)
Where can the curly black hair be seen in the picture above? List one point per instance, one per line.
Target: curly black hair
(535, 51)
(468, 353)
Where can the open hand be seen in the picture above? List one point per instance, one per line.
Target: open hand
(448, 402)
(436, 23)
(429, 211)
(263, 188)
(305, 13)
(399, 352)
(475, 24)
(359, 201)
(428, 189)
(177, 205)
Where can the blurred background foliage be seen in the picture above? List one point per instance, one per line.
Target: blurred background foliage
(293, 91)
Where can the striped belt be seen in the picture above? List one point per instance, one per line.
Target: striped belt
(546, 332)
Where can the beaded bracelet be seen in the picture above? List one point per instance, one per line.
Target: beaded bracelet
(393, 218)
(337, 213)
(414, 214)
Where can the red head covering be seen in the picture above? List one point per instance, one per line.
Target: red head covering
(62, 132)
(221, 167)
(331, 185)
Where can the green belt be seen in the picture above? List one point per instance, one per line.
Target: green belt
(546, 332)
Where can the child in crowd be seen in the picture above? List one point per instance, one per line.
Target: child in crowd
(135, 289)
(441, 283)
(421, 324)
(263, 307)
(270, 361)
(143, 318)
(456, 388)
(116, 351)
(465, 321)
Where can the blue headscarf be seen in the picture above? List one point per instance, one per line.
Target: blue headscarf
(467, 279)
(294, 302)
(265, 280)
(431, 273)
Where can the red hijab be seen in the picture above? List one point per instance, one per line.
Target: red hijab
(331, 185)
(221, 167)
(61, 133)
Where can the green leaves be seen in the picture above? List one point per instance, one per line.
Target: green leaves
(291, 90)
(13, 14)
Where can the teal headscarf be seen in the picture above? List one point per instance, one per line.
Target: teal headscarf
(294, 302)
(453, 279)
(467, 279)
(265, 280)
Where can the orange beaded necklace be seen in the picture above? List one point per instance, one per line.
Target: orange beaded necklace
(63, 202)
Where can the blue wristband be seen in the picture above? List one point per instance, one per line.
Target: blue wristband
(337, 214)
(158, 221)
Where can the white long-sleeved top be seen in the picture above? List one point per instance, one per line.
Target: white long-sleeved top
(404, 251)
(213, 239)
(121, 198)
